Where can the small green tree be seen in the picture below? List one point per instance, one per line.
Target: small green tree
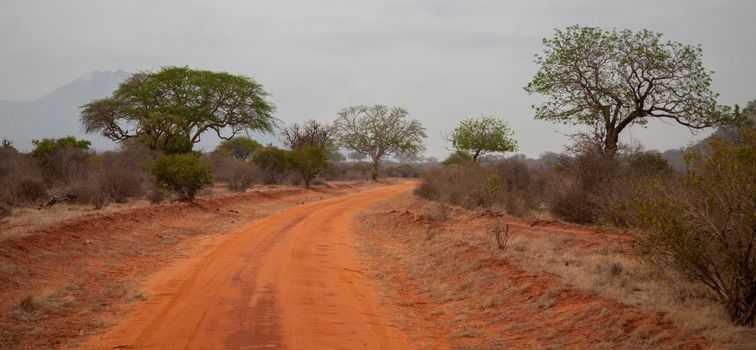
(378, 132)
(478, 136)
(275, 162)
(183, 174)
(239, 147)
(610, 80)
(308, 162)
(706, 225)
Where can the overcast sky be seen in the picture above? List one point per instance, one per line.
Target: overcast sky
(443, 60)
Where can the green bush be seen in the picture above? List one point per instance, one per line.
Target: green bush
(705, 225)
(47, 147)
(308, 162)
(182, 174)
(274, 162)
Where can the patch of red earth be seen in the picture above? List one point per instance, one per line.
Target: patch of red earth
(498, 303)
(99, 260)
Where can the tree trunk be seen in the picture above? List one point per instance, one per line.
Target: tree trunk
(374, 174)
(610, 142)
(476, 155)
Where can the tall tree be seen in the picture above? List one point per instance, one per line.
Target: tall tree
(171, 109)
(379, 131)
(610, 80)
(478, 136)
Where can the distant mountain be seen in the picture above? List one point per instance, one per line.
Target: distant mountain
(57, 113)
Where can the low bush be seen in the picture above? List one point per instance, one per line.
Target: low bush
(273, 162)
(120, 176)
(308, 162)
(705, 225)
(468, 185)
(237, 173)
(20, 178)
(524, 187)
(182, 174)
(63, 161)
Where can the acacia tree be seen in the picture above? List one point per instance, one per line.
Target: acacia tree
(610, 80)
(478, 136)
(379, 131)
(240, 148)
(171, 109)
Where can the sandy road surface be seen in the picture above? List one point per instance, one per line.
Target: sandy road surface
(291, 280)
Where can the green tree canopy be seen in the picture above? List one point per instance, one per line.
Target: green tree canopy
(610, 80)
(239, 147)
(47, 147)
(379, 131)
(274, 161)
(308, 162)
(478, 136)
(171, 109)
(183, 174)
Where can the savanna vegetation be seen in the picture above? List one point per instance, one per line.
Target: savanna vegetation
(696, 219)
(693, 216)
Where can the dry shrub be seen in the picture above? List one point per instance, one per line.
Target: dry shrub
(402, 170)
(237, 174)
(348, 171)
(35, 306)
(524, 187)
(20, 178)
(435, 212)
(88, 191)
(705, 225)
(65, 166)
(120, 175)
(467, 185)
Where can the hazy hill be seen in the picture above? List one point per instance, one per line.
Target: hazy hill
(57, 113)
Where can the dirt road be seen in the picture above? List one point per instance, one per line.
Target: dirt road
(291, 280)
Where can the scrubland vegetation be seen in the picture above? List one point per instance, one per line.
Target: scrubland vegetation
(698, 221)
(695, 224)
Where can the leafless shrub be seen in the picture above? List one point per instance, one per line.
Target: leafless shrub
(88, 191)
(20, 178)
(438, 211)
(66, 166)
(466, 185)
(524, 187)
(237, 174)
(501, 234)
(585, 176)
(156, 195)
(119, 175)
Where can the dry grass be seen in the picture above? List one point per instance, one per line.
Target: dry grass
(573, 284)
(614, 273)
(35, 306)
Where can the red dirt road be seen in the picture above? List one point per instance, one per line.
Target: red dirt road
(291, 280)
